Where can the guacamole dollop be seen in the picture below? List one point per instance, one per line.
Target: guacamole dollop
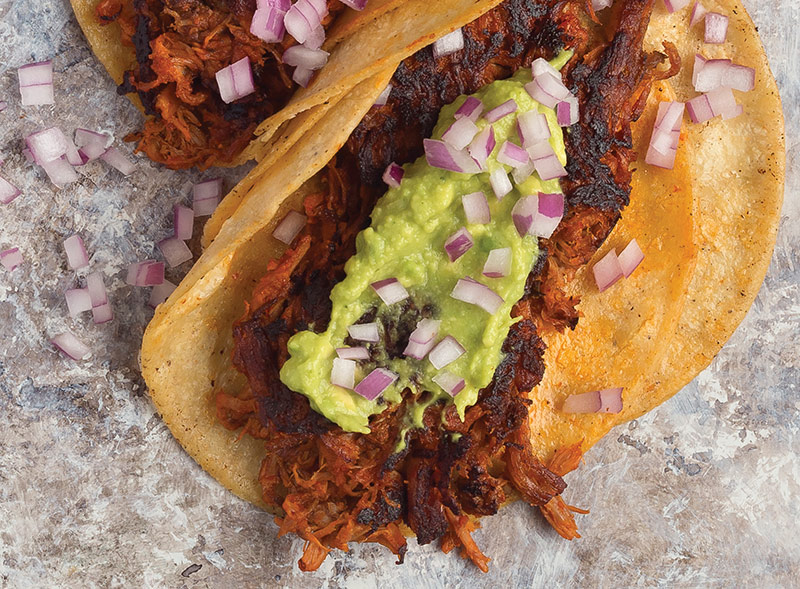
(410, 225)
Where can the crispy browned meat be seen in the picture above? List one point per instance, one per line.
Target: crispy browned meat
(336, 487)
(179, 46)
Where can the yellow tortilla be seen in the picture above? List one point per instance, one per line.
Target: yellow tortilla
(707, 228)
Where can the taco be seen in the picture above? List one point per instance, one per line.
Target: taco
(239, 361)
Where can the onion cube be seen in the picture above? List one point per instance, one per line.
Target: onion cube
(375, 383)
(175, 251)
(607, 271)
(446, 352)
(77, 257)
(11, 258)
(343, 373)
(390, 290)
(78, 301)
(161, 293)
(71, 345)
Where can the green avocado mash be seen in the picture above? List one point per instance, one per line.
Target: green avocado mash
(406, 241)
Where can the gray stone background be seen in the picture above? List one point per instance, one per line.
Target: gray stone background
(94, 491)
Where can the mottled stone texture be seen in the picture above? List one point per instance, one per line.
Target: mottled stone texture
(94, 491)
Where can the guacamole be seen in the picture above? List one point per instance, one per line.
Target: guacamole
(405, 241)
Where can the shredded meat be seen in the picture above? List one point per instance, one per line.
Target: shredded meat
(335, 487)
(179, 47)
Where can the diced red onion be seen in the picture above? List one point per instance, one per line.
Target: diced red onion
(73, 156)
(343, 373)
(482, 146)
(722, 102)
(498, 263)
(716, 28)
(699, 109)
(605, 401)
(206, 196)
(36, 83)
(542, 66)
(71, 345)
(355, 4)
(441, 155)
(664, 141)
(297, 21)
(448, 44)
(498, 112)
(422, 339)
(476, 208)
(449, 382)
(475, 293)
(501, 185)
(675, 5)
(77, 256)
(183, 222)
(512, 154)
(417, 350)
(102, 314)
(364, 332)
(146, 273)
(11, 258)
(523, 172)
(8, 191)
(393, 175)
(312, 59)
(446, 352)
(290, 227)
(532, 128)
(78, 301)
(91, 145)
(60, 172)
(236, 80)
(607, 271)
(548, 215)
(461, 133)
(390, 290)
(661, 160)
(116, 159)
(709, 74)
(698, 13)
(175, 251)
(282, 5)
(375, 383)
(740, 78)
(96, 289)
(630, 258)
(669, 116)
(547, 89)
(320, 7)
(302, 76)
(161, 293)
(354, 353)
(611, 400)
(523, 213)
(567, 111)
(383, 97)
(546, 161)
(267, 24)
(315, 39)
(458, 244)
(47, 145)
(471, 109)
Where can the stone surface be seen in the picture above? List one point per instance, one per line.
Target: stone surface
(94, 491)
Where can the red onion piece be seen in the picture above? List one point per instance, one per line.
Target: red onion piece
(73, 156)
(709, 74)
(699, 109)
(607, 271)
(498, 263)
(267, 24)
(669, 116)
(441, 155)
(297, 24)
(611, 400)
(523, 172)
(282, 5)
(47, 145)
(303, 57)
(501, 185)
(458, 244)
(661, 160)
(549, 213)
(498, 112)
(355, 4)
(315, 39)
(542, 66)
(11, 258)
(446, 352)
(206, 196)
(116, 159)
(675, 5)
(375, 383)
(482, 146)
(426, 331)
(183, 222)
(548, 89)
(71, 345)
(235, 81)
(475, 293)
(471, 109)
(567, 111)
(448, 44)
(290, 227)
(77, 257)
(546, 161)
(418, 350)
(476, 208)
(78, 301)
(175, 251)
(354, 353)
(343, 373)
(146, 273)
(302, 76)
(390, 290)
(37, 95)
(91, 145)
(532, 128)
(96, 289)
(161, 293)
(523, 213)
(36, 83)
(364, 332)
(60, 172)
(664, 141)
(449, 382)
(630, 258)
(716, 28)
(102, 314)
(605, 401)
(512, 154)
(460, 133)
(698, 13)
(740, 78)
(722, 102)
(393, 175)
(8, 191)
(383, 97)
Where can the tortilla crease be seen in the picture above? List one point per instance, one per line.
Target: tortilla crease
(117, 58)
(710, 235)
